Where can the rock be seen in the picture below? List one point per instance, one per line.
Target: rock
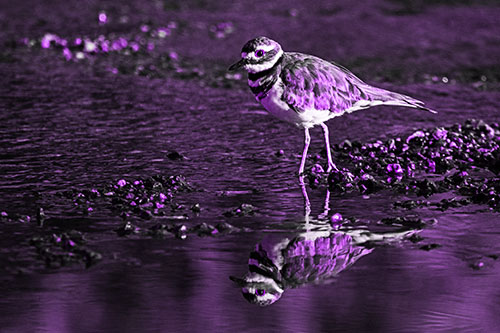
(243, 210)
(226, 228)
(175, 156)
(204, 229)
(127, 229)
(196, 208)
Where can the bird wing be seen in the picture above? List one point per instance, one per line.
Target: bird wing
(313, 83)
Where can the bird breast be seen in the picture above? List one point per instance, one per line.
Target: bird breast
(276, 106)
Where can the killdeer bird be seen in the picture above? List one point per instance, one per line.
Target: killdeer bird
(306, 90)
(308, 258)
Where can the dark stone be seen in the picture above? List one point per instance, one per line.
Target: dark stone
(173, 155)
(429, 247)
(204, 229)
(196, 208)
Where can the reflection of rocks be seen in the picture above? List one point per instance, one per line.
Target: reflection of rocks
(242, 210)
(64, 249)
(14, 218)
(203, 229)
(307, 258)
(429, 247)
(482, 262)
(407, 222)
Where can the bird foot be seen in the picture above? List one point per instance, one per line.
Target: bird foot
(332, 166)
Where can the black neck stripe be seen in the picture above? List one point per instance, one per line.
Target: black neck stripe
(255, 76)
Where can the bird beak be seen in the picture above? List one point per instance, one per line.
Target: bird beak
(237, 65)
(240, 282)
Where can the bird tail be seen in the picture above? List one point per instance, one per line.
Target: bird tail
(384, 97)
(372, 96)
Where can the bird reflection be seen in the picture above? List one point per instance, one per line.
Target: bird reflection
(308, 258)
(316, 255)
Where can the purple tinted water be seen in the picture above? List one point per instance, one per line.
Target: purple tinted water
(76, 125)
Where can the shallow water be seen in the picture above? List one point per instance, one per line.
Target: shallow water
(75, 125)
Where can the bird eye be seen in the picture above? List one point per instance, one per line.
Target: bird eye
(259, 53)
(260, 292)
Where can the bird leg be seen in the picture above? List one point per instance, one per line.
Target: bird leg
(326, 206)
(304, 153)
(307, 203)
(331, 165)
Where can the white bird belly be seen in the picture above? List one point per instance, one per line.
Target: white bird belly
(280, 109)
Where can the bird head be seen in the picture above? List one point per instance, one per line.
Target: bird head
(258, 289)
(258, 54)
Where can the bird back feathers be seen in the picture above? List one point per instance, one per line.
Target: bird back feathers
(313, 83)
